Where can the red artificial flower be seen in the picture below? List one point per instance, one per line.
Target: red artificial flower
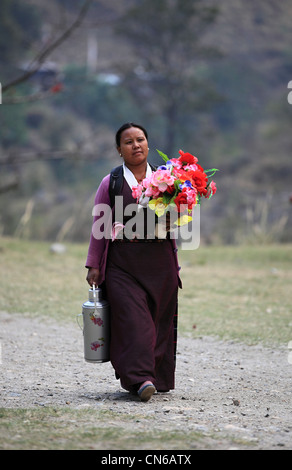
(181, 174)
(187, 158)
(181, 201)
(199, 167)
(199, 181)
(170, 189)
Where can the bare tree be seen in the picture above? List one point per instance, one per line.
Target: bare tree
(12, 182)
(43, 54)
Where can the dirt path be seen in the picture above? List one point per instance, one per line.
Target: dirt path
(224, 390)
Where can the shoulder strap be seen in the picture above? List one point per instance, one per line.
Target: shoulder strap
(116, 182)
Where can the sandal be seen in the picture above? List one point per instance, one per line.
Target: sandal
(146, 391)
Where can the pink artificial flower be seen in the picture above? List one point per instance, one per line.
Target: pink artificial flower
(162, 179)
(137, 191)
(176, 163)
(193, 167)
(152, 191)
(116, 228)
(146, 182)
(191, 197)
(211, 190)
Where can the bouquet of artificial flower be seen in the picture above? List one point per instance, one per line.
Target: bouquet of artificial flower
(179, 184)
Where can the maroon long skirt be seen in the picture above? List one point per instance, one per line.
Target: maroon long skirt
(142, 285)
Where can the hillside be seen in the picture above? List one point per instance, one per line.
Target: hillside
(233, 115)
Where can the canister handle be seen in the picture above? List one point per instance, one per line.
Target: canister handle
(95, 314)
(80, 315)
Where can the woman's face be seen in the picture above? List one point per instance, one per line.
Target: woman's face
(133, 146)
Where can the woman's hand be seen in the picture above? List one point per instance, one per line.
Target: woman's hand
(92, 276)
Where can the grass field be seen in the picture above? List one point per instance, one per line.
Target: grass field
(233, 292)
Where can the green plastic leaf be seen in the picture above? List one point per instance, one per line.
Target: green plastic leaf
(213, 170)
(163, 156)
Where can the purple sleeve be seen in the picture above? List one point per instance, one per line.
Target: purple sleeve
(97, 251)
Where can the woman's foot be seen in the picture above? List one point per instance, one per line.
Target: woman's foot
(146, 391)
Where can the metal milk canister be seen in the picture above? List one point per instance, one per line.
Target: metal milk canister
(96, 327)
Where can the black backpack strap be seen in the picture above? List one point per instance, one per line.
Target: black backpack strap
(116, 182)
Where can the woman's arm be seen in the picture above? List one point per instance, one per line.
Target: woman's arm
(97, 250)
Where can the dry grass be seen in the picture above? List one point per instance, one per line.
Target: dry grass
(234, 292)
(240, 293)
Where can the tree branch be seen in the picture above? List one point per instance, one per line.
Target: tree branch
(42, 155)
(28, 98)
(42, 55)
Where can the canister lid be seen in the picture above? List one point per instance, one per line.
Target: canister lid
(98, 295)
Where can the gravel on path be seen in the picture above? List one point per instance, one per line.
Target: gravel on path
(223, 388)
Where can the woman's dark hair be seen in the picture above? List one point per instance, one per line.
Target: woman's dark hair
(128, 125)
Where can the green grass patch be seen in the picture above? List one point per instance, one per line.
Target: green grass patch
(36, 282)
(86, 429)
(233, 292)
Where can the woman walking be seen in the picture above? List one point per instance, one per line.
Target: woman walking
(140, 276)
